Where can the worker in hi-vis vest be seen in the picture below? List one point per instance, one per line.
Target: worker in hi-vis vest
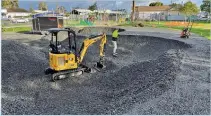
(115, 35)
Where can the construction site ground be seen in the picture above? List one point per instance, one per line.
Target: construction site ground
(156, 72)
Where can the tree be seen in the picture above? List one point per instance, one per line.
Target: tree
(57, 8)
(67, 14)
(189, 9)
(43, 6)
(156, 4)
(176, 6)
(14, 4)
(31, 9)
(10, 4)
(5, 4)
(93, 7)
(60, 9)
(205, 6)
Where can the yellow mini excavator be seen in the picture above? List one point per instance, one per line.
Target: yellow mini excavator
(65, 59)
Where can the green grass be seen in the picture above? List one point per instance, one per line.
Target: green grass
(8, 24)
(128, 24)
(200, 30)
(205, 22)
(16, 29)
(71, 23)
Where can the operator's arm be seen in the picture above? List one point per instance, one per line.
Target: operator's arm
(87, 42)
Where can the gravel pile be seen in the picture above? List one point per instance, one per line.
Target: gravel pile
(96, 30)
(20, 62)
(146, 69)
(131, 49)
(139, 82)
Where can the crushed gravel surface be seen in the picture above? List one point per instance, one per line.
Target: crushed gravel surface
(151, 75)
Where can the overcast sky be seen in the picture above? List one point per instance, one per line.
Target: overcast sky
(102, 4)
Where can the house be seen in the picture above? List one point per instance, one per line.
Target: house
(81, 11)
(18, 12)
(102, 14)
(157, 13)
(46, 14)
(40, 11)
(203, 14)
(85, 11)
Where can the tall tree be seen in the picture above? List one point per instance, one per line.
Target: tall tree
(10, 4)
(60, 9)
(93, 7)
(176, 6)
(31, 9)
(14, 4)
(156, 4)
(189, 9)
(205, 6)
(57, 8)
(5, 4)
(43, 6)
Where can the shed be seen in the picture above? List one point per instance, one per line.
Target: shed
(40, 24)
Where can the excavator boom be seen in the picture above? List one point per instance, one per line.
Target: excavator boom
(88, 42)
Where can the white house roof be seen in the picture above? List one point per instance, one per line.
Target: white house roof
(40, 11)
(117, 12)
(83, 10)
(109, 11)
(99, 11)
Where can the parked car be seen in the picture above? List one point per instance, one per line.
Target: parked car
(20, 20)
(5, 19)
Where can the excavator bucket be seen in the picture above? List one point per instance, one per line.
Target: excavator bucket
(100, 65)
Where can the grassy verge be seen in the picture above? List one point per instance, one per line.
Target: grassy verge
(202, 31)
(16, 29)
(133, 24)
(9, 23)
(200, 28)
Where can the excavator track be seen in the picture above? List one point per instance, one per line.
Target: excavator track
(67, 74)
(71, 73)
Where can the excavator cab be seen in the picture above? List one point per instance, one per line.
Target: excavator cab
(61, 47)
(62, 54)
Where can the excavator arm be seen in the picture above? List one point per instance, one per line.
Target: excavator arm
(88, 42)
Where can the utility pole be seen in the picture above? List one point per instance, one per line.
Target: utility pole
(116, 10)
(133, 11)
